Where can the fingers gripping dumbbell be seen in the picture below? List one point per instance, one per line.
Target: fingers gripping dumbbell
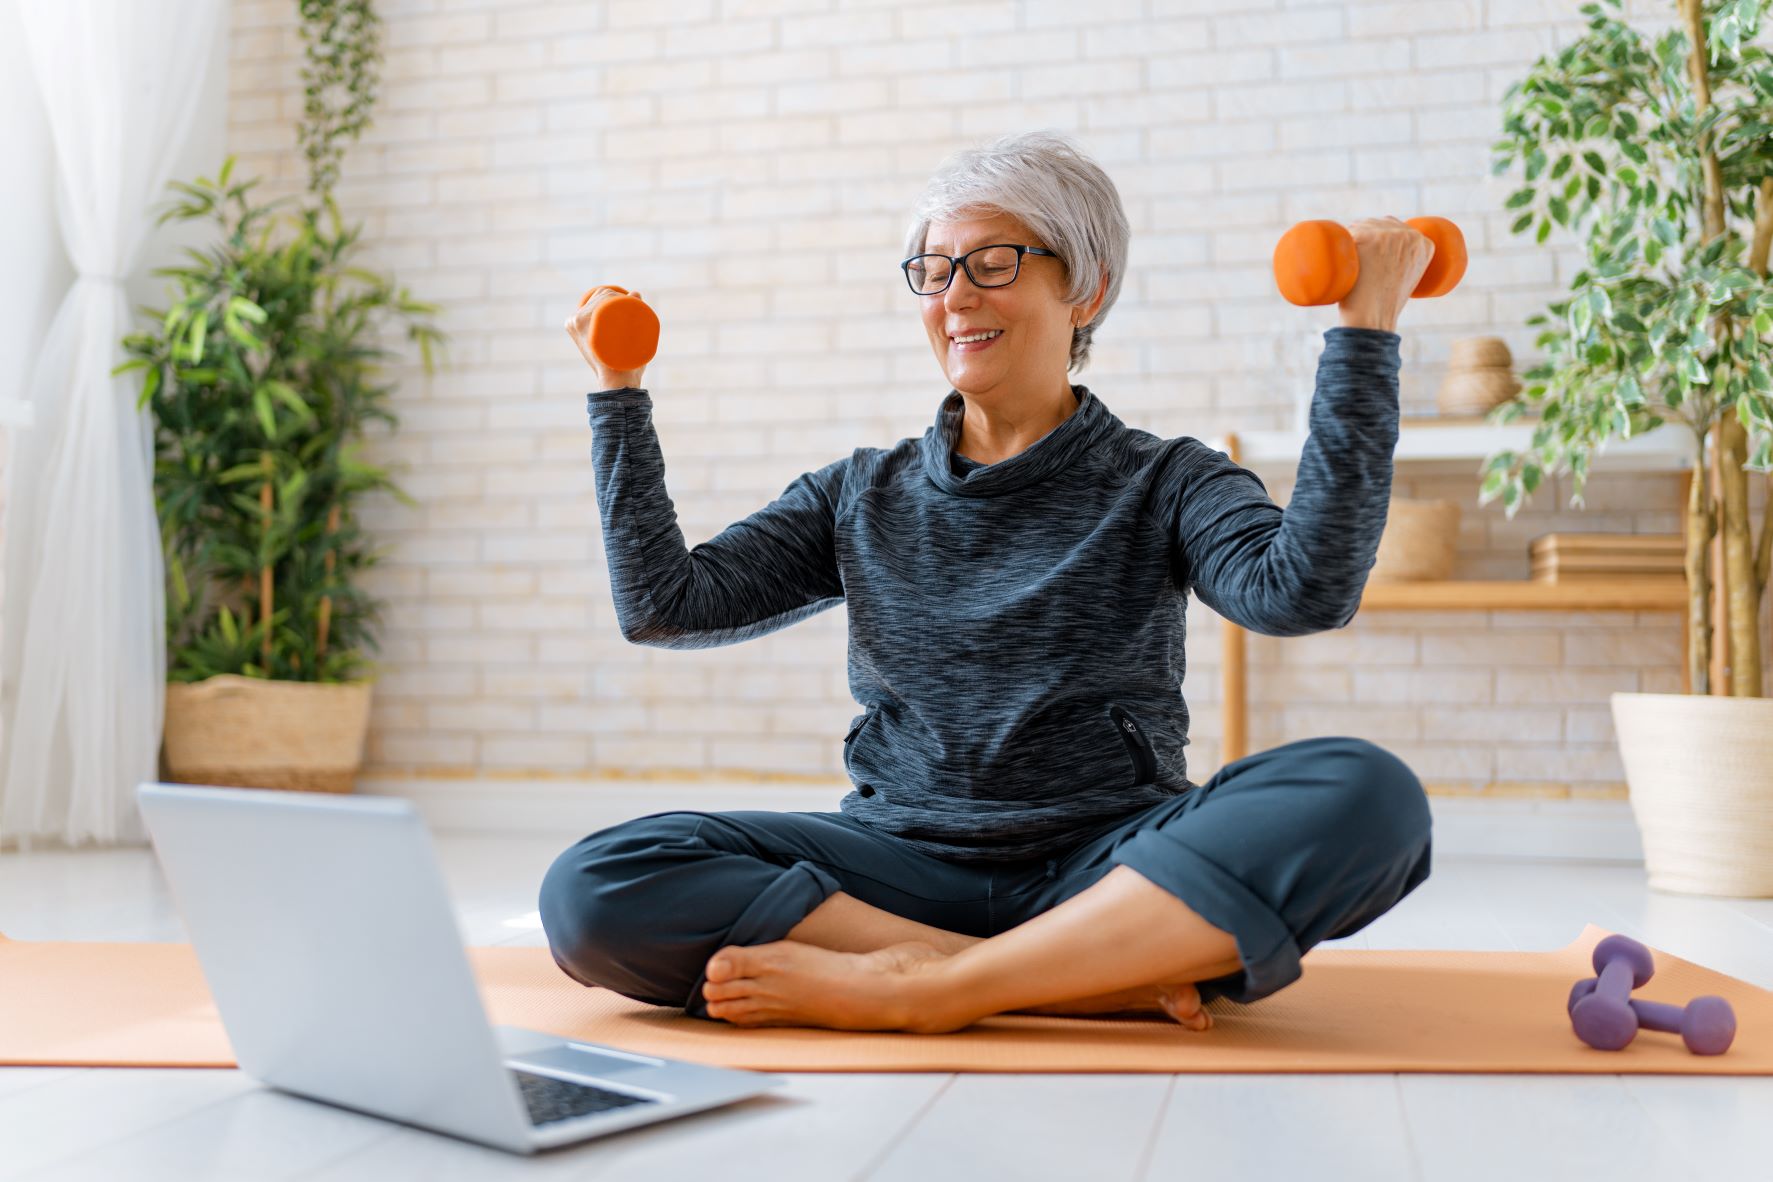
(1706, 1024)
(1316, 262)
(624, 332)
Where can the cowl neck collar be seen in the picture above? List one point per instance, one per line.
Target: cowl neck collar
(1046, 457)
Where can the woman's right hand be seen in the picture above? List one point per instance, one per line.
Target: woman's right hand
(578, 327)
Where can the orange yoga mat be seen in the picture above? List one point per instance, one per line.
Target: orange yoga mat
(1353, 1010)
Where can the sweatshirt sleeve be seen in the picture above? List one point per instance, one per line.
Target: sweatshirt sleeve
(1301, 570)
(772, 569)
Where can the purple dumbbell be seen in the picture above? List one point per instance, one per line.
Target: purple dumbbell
(1706, 1024)
(1603, 1019)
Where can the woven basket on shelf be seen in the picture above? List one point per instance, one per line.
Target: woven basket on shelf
(1480, 377)
(1418, 543)
(1696, 769)
(252, 733)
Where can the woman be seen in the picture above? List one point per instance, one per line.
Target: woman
(1022, 835)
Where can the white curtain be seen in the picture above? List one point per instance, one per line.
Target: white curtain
(82, 644)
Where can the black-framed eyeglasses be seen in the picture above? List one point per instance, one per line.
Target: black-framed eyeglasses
(996, 265)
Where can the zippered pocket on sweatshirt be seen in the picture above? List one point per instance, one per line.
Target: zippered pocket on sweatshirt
(860, 721)
(1138, 746)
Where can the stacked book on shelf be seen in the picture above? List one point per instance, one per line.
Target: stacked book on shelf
(1586, 557)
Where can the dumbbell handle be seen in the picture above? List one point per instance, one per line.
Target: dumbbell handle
(1658, 1015)
(1616, 979)
(1652, 1015)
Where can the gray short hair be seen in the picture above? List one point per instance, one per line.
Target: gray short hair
(1046, 181)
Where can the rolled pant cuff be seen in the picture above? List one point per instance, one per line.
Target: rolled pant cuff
(771, 916)
(1264, 944)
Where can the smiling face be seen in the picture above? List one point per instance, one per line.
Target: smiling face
(1032, 355)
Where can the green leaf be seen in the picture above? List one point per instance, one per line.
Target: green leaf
(261, 404)
(1594, 161)
(199, 327)
(286, 394)
(241, 306)
(239, 472)
(150, 384)
(1544, 231)
(240, 335)
(1518, 198)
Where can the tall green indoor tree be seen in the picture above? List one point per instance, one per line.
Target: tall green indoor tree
(1663, 154)
(263, 375)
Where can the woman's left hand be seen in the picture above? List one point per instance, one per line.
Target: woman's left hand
(1393, 257)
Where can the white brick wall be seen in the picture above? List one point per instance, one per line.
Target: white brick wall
(748, 165)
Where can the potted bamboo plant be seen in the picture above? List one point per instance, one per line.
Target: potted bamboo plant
(1662, 154)
(262, 376)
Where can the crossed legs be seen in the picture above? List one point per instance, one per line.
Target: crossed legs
(1123, 944)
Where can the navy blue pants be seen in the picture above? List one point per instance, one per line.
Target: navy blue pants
(1309, 841)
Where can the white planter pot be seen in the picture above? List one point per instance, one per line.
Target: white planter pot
(1699, 769)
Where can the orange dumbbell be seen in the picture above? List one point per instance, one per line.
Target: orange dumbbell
(624, 332)
(1316, 262)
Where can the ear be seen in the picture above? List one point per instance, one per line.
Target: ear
(1079, 319)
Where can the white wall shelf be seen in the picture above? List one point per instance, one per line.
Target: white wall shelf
(1668, 448)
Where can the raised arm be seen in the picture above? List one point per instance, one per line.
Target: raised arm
(772, 569)
(1302, 569)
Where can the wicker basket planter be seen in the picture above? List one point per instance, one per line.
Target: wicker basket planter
(251, 733)
(1699, 768)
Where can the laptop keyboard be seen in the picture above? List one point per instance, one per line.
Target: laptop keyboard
(549, 1099)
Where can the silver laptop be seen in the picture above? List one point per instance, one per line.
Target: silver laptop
(326, 934)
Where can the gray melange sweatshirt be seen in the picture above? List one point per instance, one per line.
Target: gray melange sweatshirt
(1015, 629)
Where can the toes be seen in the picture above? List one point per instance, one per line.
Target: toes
(725, 990)
(725, 964)
(739, 1013)
(1184, 1005)
(742, 960)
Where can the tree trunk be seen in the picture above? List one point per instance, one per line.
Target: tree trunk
(265, 571)
(1699, 529)
(1744, 614)
(1758, 251)
(1740, 599)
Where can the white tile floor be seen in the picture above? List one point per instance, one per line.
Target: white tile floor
(203, 1124)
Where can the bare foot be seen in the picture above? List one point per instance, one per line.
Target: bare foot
(1180, 1000)
(787, 983)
